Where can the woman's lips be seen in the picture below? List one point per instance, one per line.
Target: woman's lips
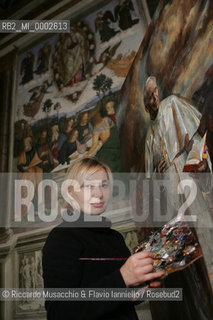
(97, 204)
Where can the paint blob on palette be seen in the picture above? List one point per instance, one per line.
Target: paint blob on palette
(174, 246)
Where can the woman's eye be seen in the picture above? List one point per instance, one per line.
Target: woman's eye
(88, 186)
(105, 185)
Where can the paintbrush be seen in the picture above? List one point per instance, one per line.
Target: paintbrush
(111, 259)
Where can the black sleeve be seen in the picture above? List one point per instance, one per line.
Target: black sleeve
(62, 269)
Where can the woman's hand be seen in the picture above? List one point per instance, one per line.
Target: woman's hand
(138, 268)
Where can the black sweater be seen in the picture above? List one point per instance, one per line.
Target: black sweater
(62, 269)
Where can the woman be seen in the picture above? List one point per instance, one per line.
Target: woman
(66, 245)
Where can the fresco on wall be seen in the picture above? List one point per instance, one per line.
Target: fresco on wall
(177, 50)
(67, 89)
(172, 75)
(164, 117)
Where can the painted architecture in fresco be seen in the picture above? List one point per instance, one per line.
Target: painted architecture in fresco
(67, 90)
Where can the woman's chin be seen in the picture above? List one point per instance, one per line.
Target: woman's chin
(97, 209)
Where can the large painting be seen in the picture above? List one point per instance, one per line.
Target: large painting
(177, 50)
(67, 87)
(164, 116)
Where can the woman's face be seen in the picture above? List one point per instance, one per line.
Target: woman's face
(93, 196)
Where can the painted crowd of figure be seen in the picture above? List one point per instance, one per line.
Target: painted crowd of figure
(71, 60)
(92, 133)
(73, 54)
(42, 64)
(122, 15)
(54, 141)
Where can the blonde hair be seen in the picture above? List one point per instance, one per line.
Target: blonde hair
(81, 169)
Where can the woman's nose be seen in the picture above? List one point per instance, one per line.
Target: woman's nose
(97, 191)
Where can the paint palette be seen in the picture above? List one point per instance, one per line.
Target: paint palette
(174, 246)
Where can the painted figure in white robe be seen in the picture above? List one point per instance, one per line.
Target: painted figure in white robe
(73, 58)
(172, 142)
(172, 137)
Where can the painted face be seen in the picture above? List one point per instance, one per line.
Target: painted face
(43, 134)
(84, 119)
(153, 99)
(75, 135)
(45, 86)
(110, 107)
(92, 46)
(55, 128)
(93, 196)
(27, 144)
(70, 123)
